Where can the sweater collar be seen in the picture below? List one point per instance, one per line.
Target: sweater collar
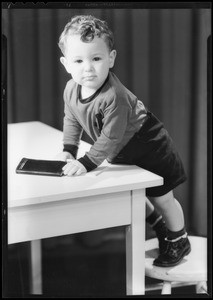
(93, 96)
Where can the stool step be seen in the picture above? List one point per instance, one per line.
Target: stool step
(158, 286)
(192, 268)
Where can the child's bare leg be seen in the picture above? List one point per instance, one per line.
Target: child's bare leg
(170, 209)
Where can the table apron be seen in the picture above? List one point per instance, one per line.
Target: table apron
(33, 222)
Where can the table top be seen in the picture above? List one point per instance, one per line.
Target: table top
(37, 140)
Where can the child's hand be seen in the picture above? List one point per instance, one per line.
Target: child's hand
(74, 168)
(63, 156)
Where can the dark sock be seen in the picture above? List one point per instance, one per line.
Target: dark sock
(172, 235)
(153, 217)
(156, 222)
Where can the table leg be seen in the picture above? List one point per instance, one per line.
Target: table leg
(135, 245)
(36, 267)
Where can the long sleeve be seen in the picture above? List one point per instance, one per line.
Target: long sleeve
(72, 130)
(114, 126)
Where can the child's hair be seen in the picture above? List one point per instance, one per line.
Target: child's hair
(87, 27)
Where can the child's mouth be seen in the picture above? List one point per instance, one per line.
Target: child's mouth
(89, 78)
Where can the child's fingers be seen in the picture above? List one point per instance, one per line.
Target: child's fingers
(79, 172)
(73, 168)
(70, 169)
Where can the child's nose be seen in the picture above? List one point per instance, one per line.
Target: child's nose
(88, 66)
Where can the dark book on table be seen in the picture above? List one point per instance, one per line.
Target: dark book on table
(40, 167)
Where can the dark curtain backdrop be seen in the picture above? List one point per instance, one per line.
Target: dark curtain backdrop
(162, 58)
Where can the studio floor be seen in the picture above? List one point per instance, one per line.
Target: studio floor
(86, 265)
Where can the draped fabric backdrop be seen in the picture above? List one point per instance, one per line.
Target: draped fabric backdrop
(162, 58)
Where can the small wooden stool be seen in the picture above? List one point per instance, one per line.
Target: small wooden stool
(192, 269)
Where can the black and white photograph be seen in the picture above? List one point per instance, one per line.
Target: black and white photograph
(106, 149)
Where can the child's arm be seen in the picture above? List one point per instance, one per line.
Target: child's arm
(113, 131)
(72, 131)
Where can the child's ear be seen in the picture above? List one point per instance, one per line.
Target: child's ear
(112, 57)
(64, 63)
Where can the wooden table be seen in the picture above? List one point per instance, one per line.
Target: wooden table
(41, 207)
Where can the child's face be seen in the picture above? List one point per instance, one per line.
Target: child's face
(88, 63)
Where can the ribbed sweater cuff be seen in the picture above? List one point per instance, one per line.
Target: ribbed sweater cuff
(88, 164)
(72, 149)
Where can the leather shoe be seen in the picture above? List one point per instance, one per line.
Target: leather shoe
(174, 253)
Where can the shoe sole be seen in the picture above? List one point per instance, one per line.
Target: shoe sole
(187, 251)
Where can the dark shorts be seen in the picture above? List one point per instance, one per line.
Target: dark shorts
(153, 149)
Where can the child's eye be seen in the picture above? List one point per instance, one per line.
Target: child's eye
(97, 58)
(78, 61)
